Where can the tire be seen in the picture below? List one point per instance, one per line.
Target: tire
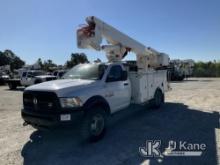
(2, 82)
(12, 86)
(158, 99)
(93, 126)
(180, 78)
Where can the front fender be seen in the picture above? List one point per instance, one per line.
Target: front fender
(97, 101)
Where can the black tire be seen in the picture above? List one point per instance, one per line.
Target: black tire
(12, 86)
(180, 78)
(2, 82)
(93, 126)
(158, 99)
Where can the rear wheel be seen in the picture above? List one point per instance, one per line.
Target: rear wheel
(181, 78)
(158, 99)
(94, 125)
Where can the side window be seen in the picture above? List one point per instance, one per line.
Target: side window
(115, 74)
(24, 74)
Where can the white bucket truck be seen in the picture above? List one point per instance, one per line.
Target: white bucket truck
(89, 93)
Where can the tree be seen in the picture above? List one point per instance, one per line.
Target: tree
(218, 69)
(39, 61)
(207, 69)
(48, 65)
(9, 58)
(16, 63)
(76, 58)
(3, 59)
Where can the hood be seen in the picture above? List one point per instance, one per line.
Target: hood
(45, 76)
(60, 84)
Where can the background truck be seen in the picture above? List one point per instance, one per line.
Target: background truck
(89, 93)
(28, 78)
(180, 69)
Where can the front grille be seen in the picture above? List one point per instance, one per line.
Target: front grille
(40, 101)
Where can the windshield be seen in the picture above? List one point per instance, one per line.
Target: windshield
(86, 71)
(33, 74)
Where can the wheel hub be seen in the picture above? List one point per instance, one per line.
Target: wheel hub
(97, 124)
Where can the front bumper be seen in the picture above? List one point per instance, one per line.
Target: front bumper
(49, 120)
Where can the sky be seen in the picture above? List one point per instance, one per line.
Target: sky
(184, 29)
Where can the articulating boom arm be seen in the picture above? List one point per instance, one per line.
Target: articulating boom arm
(119, 44)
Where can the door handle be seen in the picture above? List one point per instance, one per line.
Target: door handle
(125, 84)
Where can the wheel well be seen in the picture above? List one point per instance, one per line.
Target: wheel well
(97, 101)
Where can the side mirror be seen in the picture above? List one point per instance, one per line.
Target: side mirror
(124, 75)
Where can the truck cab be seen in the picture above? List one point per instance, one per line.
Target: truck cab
(108, 81)
(28, 77)
(31, 77)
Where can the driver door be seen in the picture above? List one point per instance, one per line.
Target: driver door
(24, 78)
(30, 78)
(118, 91)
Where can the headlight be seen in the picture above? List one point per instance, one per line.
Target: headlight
(70, 102)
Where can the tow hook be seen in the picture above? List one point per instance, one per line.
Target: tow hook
(25, 123)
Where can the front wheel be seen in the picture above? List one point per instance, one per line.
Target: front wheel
(158, 99)
(94, 125)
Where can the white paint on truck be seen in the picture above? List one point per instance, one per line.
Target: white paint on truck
(137, 88)
(144, 85)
